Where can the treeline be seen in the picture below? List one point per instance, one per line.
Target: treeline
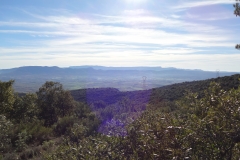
(177, 91)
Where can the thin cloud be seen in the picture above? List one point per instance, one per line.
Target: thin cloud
(141, 37)
(191, 4)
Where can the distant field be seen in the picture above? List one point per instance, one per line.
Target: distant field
(127, 85)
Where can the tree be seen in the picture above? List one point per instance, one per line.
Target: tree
(54, 102)
(237, 9)
(5, 130)
(25, 108)
(237, 13)
(6, 98)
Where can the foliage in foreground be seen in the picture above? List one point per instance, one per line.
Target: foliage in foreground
(30, 122)
(206, 128)
(198, 128)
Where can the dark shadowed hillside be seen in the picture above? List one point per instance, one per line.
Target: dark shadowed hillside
(176, 91)
(169, 92)
(113, 106)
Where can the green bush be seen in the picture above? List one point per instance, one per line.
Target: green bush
(38, 132)
(10, 156)
(97, 147)
(5, 134)
(211, 125)
(77, 132)
(47, 145)
(21, 142)
(64, 124)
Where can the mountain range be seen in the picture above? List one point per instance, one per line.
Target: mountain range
(30, 78)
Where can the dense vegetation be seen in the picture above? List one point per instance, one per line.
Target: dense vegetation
(34, 124)
(191, 120)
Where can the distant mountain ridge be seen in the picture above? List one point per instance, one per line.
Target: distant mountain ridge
(30, 78)
(123, 68)
(35, 69)
(41, 70)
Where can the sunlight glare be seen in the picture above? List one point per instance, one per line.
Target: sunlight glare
(135, 1)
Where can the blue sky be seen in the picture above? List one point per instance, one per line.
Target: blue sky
(182, 33)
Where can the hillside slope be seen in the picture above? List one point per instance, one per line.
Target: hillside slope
(169, 92)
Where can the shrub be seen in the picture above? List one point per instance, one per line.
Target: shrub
(38, 132)
(5, 132)
(64, 124)
(21, 142)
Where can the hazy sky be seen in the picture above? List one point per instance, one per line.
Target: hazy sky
(193, 34)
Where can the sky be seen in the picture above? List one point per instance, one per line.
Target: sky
(199, 34)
